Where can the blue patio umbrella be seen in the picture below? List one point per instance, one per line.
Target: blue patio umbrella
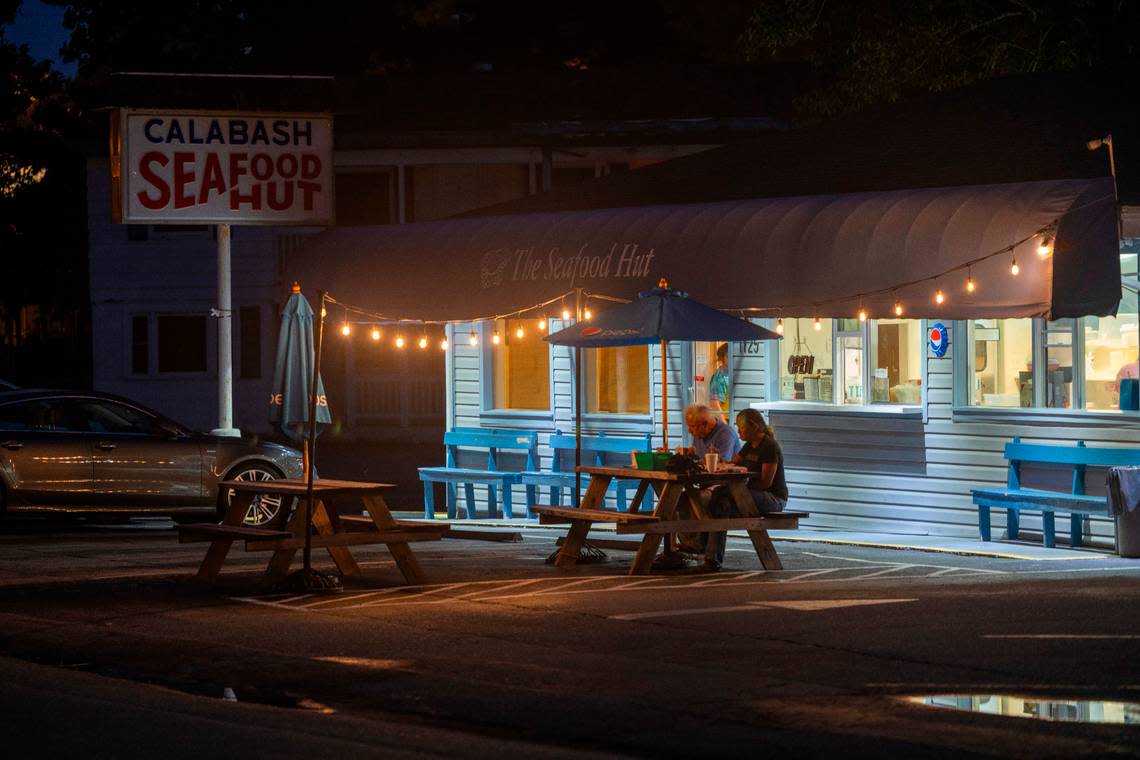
(659, 314)
(293, 402)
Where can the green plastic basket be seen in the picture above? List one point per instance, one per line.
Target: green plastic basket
(652, 460)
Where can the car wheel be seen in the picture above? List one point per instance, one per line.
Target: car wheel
(267, 510)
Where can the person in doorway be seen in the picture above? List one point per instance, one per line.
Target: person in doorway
(760, 454)
(718, 383)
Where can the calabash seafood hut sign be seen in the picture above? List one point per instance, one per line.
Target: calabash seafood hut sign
(176, 167)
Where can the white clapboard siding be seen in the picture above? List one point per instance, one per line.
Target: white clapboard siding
(904, 475)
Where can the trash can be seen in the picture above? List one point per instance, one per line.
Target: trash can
(1123, 486)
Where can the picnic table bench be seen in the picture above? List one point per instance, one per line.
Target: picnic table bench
(595, 446)
(492, 476)
(332, 533)
(678, 510)
(1014, 498)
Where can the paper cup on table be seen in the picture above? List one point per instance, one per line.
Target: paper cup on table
(711, 461)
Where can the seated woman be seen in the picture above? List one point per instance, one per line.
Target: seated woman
(759, 454)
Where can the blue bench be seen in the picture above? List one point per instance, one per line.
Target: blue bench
(596, 447)
(1013, 498)
(495, 478)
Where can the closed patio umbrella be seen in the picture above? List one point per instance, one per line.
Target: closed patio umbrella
(298, 395)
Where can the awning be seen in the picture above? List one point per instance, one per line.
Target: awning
(819, 255)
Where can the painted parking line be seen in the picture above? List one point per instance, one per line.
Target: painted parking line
(537, 588)
(1091, 636)
(802, 605)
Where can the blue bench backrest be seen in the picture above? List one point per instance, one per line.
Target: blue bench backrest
(598, 445)
(1079, 457)
(493, 441)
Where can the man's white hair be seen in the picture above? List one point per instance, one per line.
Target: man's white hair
(694, 412)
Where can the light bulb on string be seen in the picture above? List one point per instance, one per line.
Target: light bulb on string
(423, 341)
(938, 296)
(780, 326)
(375, 332)
(399, 341)
(1045, 247)
(542, 324)
(898, 308)
(1014, 269)
(587, 315)
(519, 332)
(818, 325)
(495, 338)
(346, 329)
(862, 314)
(443, 344)
(565, 314)
(970, 286)
(472, 339)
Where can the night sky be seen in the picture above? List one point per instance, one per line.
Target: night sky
(41, 28)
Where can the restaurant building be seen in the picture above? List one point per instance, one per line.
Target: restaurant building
(886, 423)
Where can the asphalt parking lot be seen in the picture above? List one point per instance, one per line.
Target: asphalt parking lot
(503, 652)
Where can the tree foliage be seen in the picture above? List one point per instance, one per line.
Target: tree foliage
(883, 50)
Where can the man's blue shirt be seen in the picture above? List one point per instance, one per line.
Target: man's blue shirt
(723, 438)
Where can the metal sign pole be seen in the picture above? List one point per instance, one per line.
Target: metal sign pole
(224, 314)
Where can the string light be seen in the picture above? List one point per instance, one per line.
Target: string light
(780, 326)
(519, 332)
(818, 325)
(862, 314)
(898, 308)
(542, 324)
(472, 339)
(1014, 269)
(346, 329)
(443, 345)
(565, 313)
(938, 296)
(970, 286)
(423, 341)
(1045, 247)
(399, 341)
(587, 314)
(495, 338)
(375, 332)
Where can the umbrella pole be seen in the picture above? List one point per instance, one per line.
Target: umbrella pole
(664, 397)
(311, 448)
(577, 404)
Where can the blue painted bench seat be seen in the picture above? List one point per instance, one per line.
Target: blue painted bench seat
(596, 447)
(495, 478)
(1013, 498)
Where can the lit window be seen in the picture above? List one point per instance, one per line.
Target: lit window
(1000, 366)
(875, 362)
(1077, 363)
(520, 365)
(617, 380)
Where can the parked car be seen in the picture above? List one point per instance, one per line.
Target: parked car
(81, 452)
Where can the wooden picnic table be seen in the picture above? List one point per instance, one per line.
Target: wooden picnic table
(333, 532)
(678, 510)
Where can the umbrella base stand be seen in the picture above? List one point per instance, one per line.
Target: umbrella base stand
(309, 581)
(588, 553)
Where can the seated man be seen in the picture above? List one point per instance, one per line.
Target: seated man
(769, 491)
(710, 433)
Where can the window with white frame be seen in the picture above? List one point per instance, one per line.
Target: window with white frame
(848, 362)
(520, 365)
(1062, 364)
(617, 380)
